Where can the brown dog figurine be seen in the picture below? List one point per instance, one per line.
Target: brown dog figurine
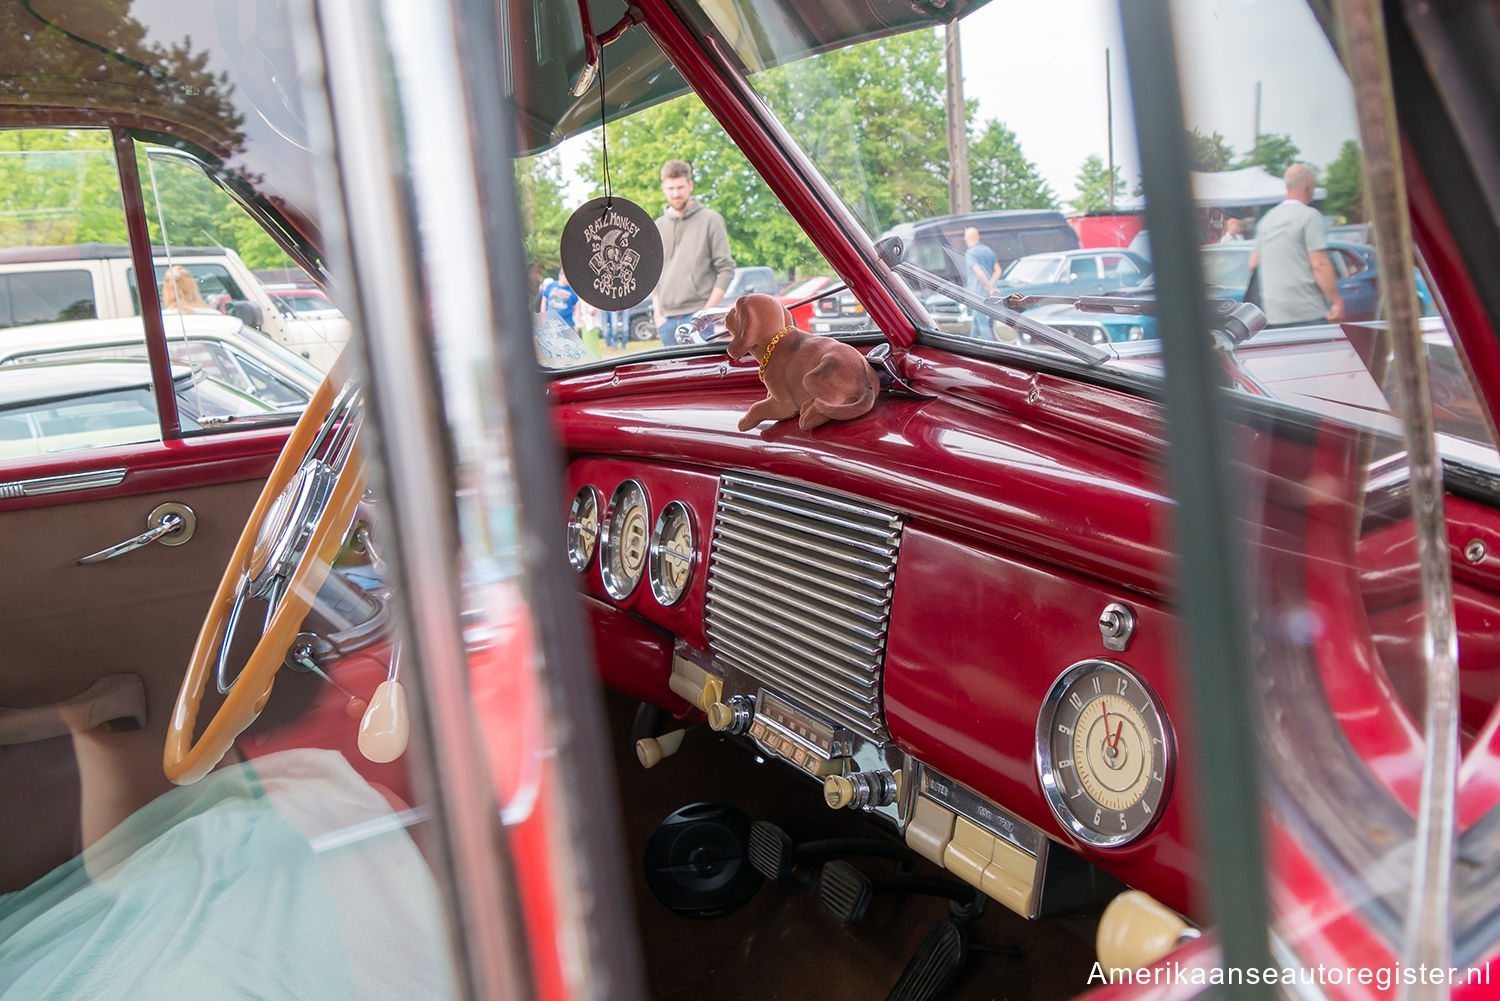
(818, 378)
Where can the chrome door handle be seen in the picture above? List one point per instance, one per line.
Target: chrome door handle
(170, 524)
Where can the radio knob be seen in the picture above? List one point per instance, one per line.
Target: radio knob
(861, 790)
(733, 716)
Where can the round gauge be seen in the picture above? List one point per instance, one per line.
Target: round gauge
(673, 547)
(583, 528)
(622, 558)
(1104, 753)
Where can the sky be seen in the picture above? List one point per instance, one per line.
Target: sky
(1039, 69)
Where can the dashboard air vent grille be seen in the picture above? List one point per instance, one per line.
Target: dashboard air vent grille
(799, 595)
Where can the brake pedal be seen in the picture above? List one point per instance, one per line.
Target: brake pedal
(935, 965)
(845, 891)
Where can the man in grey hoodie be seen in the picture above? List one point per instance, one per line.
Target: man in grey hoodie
(697, 268)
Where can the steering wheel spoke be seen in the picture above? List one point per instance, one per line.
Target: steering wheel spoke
(284, 553)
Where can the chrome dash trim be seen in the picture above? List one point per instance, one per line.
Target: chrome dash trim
(42, 485)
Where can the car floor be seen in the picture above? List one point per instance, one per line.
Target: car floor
(783, 944)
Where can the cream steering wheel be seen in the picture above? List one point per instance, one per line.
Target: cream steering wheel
(292, 537)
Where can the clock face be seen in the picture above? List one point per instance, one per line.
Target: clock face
(623, 552)
(1105, 753)
(673, 549)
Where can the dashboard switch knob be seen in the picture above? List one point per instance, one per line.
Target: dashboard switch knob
(860, 790)
(733, 716)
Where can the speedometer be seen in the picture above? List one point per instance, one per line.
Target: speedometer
(672, 552)
(622, 556)
(1104, 753)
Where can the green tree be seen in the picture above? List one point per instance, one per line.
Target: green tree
(1345, 184)
(1272, 151)
(1093, 186)
(1000, 176)
(870, 116)
(539, 190)
(1209, 152)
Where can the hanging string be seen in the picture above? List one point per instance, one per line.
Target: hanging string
(604, 132)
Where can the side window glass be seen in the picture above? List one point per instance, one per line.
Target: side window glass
(62, 235)
(1085, 267)
(213, 261)
(28, 297)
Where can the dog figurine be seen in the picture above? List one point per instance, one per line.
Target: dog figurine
(816, 379)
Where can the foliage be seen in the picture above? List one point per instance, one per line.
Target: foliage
(60, 187)
(539, 191)
(1000, 176)
(1345, 184)
(1093, 186)
(869, 116)
(1209, 152)
(1272, 151)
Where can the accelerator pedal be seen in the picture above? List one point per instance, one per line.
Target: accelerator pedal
(936, 964)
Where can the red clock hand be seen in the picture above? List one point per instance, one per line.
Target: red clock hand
(1118, 730)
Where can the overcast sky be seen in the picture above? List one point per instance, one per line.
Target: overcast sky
(1039, 68)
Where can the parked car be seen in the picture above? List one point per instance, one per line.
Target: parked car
(793, 297)
(1073, 272)
(1050, 643)
(220, 346)
(937, 244)
(300, 299)
(47, 284)
(72, 406)
(1227, 275)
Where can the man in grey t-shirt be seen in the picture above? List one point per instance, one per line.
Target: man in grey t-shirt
(1297, 281)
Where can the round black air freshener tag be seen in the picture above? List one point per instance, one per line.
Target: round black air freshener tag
(612, 253)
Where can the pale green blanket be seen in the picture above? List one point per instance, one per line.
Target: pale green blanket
(213, 891)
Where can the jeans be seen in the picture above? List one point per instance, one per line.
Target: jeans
(668, 330)
(616, 328)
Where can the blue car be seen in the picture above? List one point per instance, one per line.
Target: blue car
(1073, 272)
(1226, 275)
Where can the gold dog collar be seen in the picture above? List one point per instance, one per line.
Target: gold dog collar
(766, 360)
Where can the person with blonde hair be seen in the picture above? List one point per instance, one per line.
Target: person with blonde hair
(179, 292)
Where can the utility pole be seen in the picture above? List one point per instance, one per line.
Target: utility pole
(1255, 136)
(960, 200)
(1109, 126)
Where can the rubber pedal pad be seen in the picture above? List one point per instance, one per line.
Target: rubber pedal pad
(935, 965)
(845, 891)
(771, 851)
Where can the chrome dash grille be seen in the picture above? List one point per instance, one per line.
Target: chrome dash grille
(799, 595)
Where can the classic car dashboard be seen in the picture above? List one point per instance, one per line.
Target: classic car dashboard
(989, 705)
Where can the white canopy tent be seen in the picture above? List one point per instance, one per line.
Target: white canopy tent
(1224, 189)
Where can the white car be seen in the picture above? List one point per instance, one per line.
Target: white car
(220, 346)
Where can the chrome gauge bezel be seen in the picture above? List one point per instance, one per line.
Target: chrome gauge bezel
(583, 543)
(661, 589)
(619, 584)
(1065, 793)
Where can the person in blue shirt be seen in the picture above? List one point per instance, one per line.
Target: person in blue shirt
(557, 295)
(981, 268)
